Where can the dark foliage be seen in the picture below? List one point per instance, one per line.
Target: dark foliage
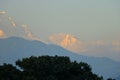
(9, 72)
(110, 79)
(48, 68)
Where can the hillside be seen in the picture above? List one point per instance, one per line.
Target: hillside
(14, 48)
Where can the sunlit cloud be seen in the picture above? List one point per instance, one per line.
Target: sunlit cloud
(12, 28)
(116, 45)
(29, 34)
(95, 48)
(73, 44)
(12, 22)
(2, 34)
(8, 28)
(68, 41)
(3, 12)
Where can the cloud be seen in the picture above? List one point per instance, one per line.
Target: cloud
(2, 34)
(116, 45)
(97, 48)
(68, 41)
(3, 12)
(71, 43)
(11, 21)
(29, 34)
(12, 28)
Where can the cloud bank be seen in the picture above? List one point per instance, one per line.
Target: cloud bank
(3, 12)
(9, 28)
(2, 34)
(68, 41)
(93, 48)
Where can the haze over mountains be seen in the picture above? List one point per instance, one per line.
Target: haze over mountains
(17, 41)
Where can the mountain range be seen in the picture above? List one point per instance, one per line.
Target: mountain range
(14, 48)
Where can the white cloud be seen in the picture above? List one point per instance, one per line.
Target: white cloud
(2, 34)
(11, 21)
(14, 29)
(29, 34)
(68, 41)
(97, 48)
(3, 12)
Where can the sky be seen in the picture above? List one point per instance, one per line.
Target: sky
(77, 25)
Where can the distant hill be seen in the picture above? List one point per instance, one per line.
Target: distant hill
(14, 48)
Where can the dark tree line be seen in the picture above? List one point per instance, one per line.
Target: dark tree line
(48, 68)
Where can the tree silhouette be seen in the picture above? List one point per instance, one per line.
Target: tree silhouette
(57, 68)
(48, 68)
(110, 79)
(9, 72)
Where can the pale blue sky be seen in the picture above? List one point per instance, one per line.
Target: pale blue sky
(86, 19)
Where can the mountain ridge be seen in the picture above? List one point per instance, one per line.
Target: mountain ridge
(14, 48)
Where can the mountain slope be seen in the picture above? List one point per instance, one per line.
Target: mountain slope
(14, 48)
